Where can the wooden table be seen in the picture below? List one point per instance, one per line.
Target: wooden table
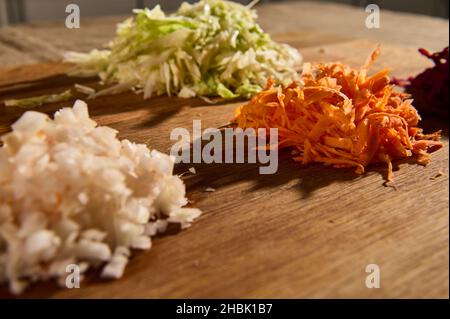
(304, 232)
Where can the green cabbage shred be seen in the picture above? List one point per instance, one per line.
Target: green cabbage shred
(32, 102)
(208, 49)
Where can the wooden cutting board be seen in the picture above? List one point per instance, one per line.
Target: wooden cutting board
(303, 232)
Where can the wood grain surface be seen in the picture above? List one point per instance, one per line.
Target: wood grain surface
(303, 232)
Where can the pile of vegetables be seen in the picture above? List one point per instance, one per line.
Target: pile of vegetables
(341, 117)
(72, 193)
(207, 49)
(430, 88)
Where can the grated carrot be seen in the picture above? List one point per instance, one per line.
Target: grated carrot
(342, 117)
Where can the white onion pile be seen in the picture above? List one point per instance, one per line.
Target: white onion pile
(72, 193)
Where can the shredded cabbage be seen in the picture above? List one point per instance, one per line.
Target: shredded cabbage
(210, 48)
(32, 102)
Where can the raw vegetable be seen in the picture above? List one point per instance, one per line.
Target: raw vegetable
(430, 88)
(32, 102)
(84, 89)
(341, 117)
(72, 193)
(210, 48)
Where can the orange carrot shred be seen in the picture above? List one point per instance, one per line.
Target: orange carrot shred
(341, 117)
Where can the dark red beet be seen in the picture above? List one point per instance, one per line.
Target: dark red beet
(429, 89)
